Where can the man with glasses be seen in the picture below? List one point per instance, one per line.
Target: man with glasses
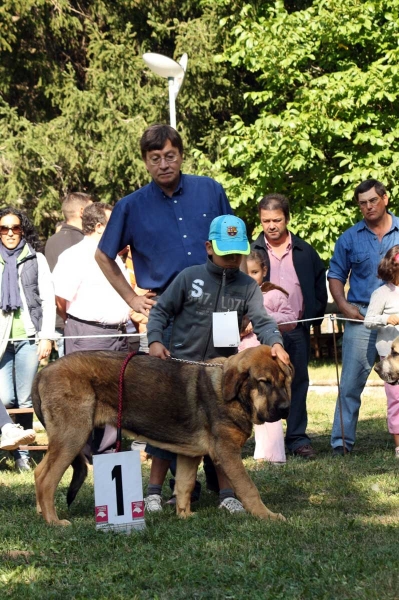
(166, 224)
(357, 254)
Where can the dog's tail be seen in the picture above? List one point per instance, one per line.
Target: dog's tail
(36, 400)
(79, 467)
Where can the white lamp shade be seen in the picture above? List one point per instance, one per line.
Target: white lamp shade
(163, 65)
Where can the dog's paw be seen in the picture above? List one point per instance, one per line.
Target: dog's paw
(279, 517)
(61, 522)
(184, 514)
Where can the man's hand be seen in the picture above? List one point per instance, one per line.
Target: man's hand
(157, 349)
(143, 304)
(279, 352)
(393, 320)
(351, 312)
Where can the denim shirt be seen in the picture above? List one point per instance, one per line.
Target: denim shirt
(165, 234)
(358, 252)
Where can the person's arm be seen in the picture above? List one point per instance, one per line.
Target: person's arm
(61, 304)
(277, 305)
(320, 286)
(46, 292)
(265, 327)
(118, 281)
(346, 308)
(375, 316)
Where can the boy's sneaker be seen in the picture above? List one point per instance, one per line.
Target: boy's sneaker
(14, 435)
(22, 464)
(232, 505)
(397, 452)
(153, 503)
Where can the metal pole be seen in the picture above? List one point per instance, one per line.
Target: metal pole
(172, 105)
(341, 418)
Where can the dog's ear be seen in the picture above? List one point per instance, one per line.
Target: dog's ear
(288, 370)
(232, 382)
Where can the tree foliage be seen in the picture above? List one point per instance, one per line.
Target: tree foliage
(75, 95)
(302, 98)
(327, 109)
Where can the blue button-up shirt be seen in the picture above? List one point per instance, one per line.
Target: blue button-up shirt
(358, 252)
(165, 234)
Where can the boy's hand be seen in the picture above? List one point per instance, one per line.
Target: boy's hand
(279, 352)
(157, 349)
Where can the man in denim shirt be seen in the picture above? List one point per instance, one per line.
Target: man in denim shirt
(357, 254)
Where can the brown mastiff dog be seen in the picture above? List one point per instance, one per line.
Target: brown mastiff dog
(189, 409)
(388, 368)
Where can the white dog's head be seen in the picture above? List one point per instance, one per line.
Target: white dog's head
(388, 368)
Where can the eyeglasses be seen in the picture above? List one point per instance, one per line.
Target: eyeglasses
(156, 160)
(372, 202)
(15, 229)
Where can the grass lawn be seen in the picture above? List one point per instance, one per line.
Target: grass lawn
(340, 539)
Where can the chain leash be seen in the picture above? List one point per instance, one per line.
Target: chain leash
(193, 362)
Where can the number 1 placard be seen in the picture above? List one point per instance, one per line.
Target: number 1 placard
(118, 491)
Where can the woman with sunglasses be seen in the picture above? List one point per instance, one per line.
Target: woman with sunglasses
(27, 315)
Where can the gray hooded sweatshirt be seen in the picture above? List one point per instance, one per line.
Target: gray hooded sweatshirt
(190, 300)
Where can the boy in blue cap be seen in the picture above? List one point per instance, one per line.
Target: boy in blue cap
(207, 304)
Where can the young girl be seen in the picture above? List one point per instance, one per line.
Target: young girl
(383, 312)
(269, 437)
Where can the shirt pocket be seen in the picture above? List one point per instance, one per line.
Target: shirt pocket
(361, 263)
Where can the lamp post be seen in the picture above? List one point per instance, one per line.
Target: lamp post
(173, 71)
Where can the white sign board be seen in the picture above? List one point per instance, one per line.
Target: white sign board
(225, 330)
(118, 491)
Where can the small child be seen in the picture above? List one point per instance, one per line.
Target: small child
(197, 300)
(383, 312)
(269, 437)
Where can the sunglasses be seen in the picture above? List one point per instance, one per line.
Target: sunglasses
(16, 230)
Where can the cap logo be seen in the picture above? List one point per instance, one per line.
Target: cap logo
(232, 231)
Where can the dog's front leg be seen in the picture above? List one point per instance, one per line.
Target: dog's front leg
(229, 459)
(186, 472)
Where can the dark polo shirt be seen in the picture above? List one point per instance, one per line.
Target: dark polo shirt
(165, 235)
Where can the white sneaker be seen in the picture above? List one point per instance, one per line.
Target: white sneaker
(232, 505)
(397, 452)
(22, 464)
(153, 503)
(14, 435)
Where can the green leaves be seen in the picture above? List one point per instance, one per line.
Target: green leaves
(325, 104)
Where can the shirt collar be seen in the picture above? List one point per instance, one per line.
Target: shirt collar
(394, 225)
(178, 190)
(289, 245)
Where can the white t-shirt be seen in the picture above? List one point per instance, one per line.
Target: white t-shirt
(79, 280)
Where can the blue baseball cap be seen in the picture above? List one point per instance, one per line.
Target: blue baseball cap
(228, 235)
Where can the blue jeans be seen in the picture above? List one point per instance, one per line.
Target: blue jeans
(60, 343)
(297, 344)
(18, 368)
(358, 357)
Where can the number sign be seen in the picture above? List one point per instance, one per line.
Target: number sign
(118, 491)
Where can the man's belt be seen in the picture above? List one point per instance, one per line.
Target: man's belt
(118, 326)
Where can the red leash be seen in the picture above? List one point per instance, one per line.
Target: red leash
(120, 400)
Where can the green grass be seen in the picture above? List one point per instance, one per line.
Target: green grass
(340, 539)
(322, 370)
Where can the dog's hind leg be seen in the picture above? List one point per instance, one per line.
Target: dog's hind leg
(229, 459)
(59, 456)
(186, 471)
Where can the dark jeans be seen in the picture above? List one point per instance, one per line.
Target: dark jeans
(297, 344)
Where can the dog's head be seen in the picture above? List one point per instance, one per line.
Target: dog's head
(261, 383)
(388, 368)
